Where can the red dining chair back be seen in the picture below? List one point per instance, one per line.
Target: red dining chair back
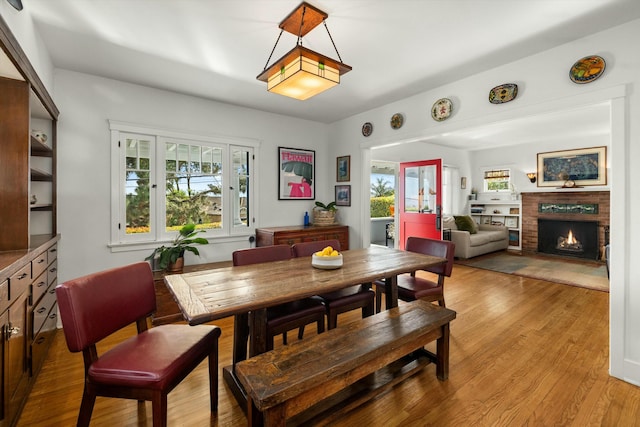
(146, 366)
(414, 286)
(344, 300)
(284, 317)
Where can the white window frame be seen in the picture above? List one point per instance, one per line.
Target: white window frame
(485, 181)
(120, 241)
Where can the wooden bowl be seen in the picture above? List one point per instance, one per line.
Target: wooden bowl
(326, 262)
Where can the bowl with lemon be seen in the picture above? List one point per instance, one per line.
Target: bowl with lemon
(327, 259)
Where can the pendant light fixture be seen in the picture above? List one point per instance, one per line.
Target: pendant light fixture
(17, 4)
(302, 73)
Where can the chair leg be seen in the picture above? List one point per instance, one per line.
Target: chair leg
(213, 379)
(332, 319)
(159, 408)
(284, 339)
(368, 310)
(378, 300)
(441, 302)
(86, 407)
(320, 325)
(300, 332)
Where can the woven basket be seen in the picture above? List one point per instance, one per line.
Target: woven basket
(322, 217)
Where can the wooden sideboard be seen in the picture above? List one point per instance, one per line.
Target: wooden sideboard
(290, 235)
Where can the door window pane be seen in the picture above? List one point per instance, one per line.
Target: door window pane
(240, 187)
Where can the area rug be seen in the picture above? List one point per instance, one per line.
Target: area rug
(582, 273)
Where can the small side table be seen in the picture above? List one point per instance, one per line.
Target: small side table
(446, 234)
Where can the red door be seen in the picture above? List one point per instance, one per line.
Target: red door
(420, 200)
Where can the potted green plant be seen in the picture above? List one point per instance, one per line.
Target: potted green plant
(171, 257)
(324, 214)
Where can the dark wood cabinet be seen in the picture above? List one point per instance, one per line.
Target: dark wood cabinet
(28, 242)
(290, 235)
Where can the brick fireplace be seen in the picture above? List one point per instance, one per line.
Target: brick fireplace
(531, 213)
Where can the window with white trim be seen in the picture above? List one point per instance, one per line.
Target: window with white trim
(162, 180)
(497, 180)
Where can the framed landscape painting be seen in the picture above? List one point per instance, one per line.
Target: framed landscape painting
(573, 168)
(343, 195)
(296, 174)
(343, 169)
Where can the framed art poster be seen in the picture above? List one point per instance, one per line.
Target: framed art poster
(297, 169)
(573, 168)
(343, 195)
(343, 169)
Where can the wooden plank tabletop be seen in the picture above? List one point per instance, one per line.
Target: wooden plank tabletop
(209, 295)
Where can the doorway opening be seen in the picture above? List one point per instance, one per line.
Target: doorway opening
(383, 201)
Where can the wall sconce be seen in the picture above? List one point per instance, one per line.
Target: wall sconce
(532, 177)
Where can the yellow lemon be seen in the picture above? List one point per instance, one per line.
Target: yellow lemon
(319, 253)
(327, 251)
(335, 253)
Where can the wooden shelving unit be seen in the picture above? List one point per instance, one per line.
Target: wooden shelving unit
(501, 212)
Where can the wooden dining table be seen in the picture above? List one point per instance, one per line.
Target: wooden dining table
(246, 292)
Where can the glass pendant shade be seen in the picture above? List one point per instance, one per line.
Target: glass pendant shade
(302, 73)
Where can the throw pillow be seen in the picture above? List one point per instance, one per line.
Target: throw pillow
(466, 223)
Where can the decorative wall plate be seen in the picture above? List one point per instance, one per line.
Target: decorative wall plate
(397, 120)
(503, 93)
(367, 129)
(587, 69)
(441, 109)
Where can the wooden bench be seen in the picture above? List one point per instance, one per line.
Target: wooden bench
(329, 374)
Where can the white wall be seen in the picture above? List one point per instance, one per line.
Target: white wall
(544, 87)
(84, 170)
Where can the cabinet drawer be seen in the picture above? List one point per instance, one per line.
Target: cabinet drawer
(39, 287)
(39, 264)
(52, 254)
(52, 272)
(41, 311)
(4, 296)
(288, 240)
(42, 341)
(19, 282)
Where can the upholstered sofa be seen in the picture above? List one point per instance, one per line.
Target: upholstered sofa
(487, 238)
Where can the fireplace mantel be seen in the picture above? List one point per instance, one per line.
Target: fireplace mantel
(530, 214)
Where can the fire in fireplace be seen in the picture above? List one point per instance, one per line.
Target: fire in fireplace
(569, 243)
(568, 238)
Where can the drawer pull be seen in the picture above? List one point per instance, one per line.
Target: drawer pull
(40, 340)
(53, 250)
(41, 310)
(52, 290)
(40, 284)
(22, 276)
(53, 270)
(53, 315)
(12, 331)
(40, 261)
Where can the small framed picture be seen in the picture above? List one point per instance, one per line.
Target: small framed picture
(463, 183)
(343, 169)
(511, 222)
(343, 195)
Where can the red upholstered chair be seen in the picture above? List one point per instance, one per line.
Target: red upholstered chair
(146, 366)
(354, 297)
(284, 317)
(412, 287)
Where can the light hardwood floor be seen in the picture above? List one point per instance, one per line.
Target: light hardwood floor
(523, 352)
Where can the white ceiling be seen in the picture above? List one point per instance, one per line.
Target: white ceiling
(215, 48)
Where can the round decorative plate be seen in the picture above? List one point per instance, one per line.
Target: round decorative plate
(441, 109)
(367, 129)
(397, 120)
(587, 69)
